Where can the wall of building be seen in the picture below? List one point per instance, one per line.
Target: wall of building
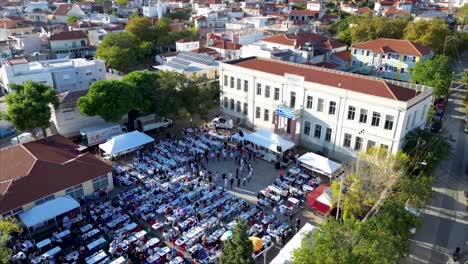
(338, 122)
(69, 121)
(88, 190)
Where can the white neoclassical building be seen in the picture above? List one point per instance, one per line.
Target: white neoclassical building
(328, 111)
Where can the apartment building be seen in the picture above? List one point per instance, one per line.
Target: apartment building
(334, 112)
(69, 44)
(388, 58)
(62, 74)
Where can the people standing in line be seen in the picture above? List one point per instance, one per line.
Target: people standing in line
(238, 182)
(244, 180)
(225, 183)
(232, 182)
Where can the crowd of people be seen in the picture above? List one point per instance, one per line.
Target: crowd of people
(174, 209)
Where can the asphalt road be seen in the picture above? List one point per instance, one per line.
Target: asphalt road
(445, 220)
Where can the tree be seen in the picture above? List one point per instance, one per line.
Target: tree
(347, 242)
(147, 86)
(121, 51)
(29, 105)
(121, 2)
(462, 13)
(7, 227)
(72, 19)
(376, 172)
(414, 190)
(181, 14)
(425, 146)
(435, 73)
(238, 249)
(430, 33)
(141, 28)
(369, 27)
(110, 99)
(299, 6)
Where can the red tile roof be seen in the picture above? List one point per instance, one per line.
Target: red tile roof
(36, 169)
(69, 35)
(62, 9)
(296, 40)
(16, 61)
(327, 64)
(205, 50)
(69, 99)
(332, 44)
(385, 45)
(394, 11)
(365, 10)
(304, 12)
(226, 45)
(344, 55)
(352, 82)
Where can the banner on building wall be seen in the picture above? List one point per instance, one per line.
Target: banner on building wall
(285, 112)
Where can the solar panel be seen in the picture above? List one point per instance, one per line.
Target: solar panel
(181, 62)
(195, 57)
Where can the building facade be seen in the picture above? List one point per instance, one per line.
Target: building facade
(69, 44)
(336, 113)
(388, 58)
(41, 170)
(62, 74)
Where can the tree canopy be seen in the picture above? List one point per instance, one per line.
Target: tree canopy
(147, 85)
(7, 227)
(140, 28)
(162, 93)
(29, 105)
(182, 14)
(373, 27)
(72, 19)
(435, 73)
(121, 51)
(430, 33)
(238, 249)
(110, 99)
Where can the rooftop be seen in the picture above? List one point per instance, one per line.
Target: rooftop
(385, 45)
(352, 82)
(296, 40)
(28, 170)
(66, 35)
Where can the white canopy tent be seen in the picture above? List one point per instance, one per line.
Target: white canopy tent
(125, 143)
(319, 164)
(48, 211)
(269, 140)
(285, 255)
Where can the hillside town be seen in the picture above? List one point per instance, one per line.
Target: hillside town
(219, 131)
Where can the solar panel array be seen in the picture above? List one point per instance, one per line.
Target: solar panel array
(196, 57)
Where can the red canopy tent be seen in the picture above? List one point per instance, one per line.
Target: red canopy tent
(316, 198)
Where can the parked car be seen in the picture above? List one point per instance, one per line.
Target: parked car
(223, 122)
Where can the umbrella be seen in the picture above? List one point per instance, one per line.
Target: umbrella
(226, 235)
(257, 243)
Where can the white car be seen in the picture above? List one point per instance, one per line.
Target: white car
(223, 122)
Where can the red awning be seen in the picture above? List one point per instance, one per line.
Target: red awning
(316, 205)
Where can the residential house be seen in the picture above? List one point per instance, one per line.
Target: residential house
(332, 112)
(41, 16)
(69, 44)
(34, 6)
(306, 46)
(187, 44)
(388, 58)
(191, 64)
(67, 118)
(305, 16)
(62, 74)
(227, 50)
(48, 168)
(64, 11)
(14, 26)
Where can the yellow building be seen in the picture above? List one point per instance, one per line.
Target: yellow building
(41, 170)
